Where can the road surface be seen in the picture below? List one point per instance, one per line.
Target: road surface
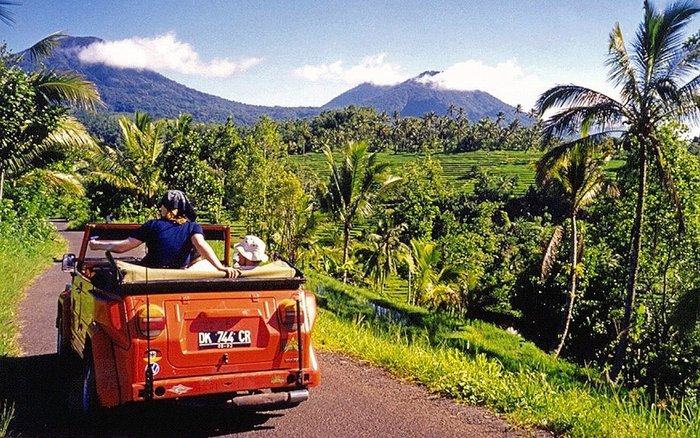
(354, 400)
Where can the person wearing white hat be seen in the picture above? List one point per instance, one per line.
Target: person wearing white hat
(250, 252)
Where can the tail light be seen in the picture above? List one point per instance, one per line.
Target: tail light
(150, 320)
(288, 314)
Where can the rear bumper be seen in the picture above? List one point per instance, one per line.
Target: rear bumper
(282, 382)
(276, 400)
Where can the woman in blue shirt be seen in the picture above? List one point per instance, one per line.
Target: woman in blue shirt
(174, 240)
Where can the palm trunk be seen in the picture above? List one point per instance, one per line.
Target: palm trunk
(346, 242)
(635, 250)
(2, 183)
(572, 287)
(2, 187)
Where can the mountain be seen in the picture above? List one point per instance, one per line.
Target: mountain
(127, 90)
(415, 97)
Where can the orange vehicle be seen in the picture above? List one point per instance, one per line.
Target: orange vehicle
(144, 334)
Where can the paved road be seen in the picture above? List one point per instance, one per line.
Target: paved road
(353, 400)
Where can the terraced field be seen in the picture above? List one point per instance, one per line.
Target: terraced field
(455, 166)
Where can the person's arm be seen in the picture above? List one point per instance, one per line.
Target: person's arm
(205, 250)
(118, 246)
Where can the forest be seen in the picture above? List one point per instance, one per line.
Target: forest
(594, 262)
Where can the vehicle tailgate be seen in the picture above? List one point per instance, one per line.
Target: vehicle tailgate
(239, 329)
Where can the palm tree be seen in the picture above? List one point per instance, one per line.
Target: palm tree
(658, 82)
(433, 286)
(579, 172)
(6, 15)
(33, 116)
(353, 187)
(386, 252)
(135, 167)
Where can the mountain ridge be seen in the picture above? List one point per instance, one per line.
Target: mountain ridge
(127, 90)
(414, 97)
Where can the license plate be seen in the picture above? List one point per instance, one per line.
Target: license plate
(224, 339)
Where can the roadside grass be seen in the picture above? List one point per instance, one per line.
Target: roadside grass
(7, 412)
(22, 258)
(489, 367)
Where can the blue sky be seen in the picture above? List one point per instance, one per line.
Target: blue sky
(304, 53)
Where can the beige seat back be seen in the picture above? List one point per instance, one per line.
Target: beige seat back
(140, 274)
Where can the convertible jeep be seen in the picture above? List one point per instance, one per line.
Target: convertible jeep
(138, 334)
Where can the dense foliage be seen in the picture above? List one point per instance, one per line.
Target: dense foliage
(657, 79)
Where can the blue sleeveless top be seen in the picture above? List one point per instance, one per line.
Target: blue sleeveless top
(169, 244)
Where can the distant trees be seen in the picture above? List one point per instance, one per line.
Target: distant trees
(431, 133)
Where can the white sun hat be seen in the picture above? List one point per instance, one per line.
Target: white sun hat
(252, 248)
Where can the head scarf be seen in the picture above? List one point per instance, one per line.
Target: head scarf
(176, 199)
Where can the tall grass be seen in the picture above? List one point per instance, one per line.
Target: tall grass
(23, 255)
(525, 396)
(7, 411)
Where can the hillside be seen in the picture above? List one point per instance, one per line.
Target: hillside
(127, 90)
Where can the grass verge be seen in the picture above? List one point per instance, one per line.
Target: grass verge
(22, 258)
(495, 369)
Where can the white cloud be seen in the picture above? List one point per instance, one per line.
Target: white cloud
(506, 81)
(373, 69)
(162, 53)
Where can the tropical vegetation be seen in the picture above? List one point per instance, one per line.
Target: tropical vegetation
(658, 79)
(539, 235)
(492, 368)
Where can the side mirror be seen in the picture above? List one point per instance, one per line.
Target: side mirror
(68, 263)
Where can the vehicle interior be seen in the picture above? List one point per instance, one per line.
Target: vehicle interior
(121, 273)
